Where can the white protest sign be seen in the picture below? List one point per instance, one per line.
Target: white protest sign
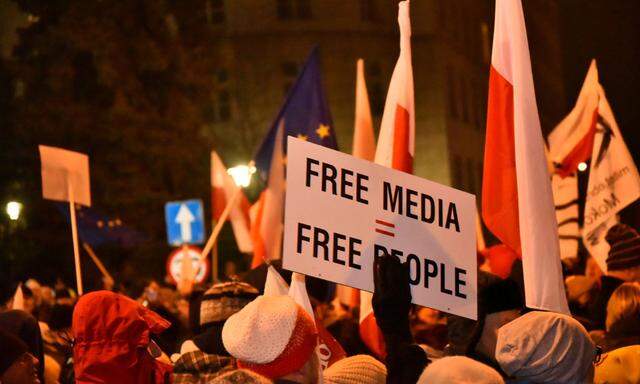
(341, 212)
(65, 177)
(60, 166)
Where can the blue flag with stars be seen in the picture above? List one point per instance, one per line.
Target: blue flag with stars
(95, 228)
(305, 114)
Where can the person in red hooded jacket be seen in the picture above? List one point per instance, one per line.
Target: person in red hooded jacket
(113, 340)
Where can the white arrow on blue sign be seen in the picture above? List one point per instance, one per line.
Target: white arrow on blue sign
(185, 222)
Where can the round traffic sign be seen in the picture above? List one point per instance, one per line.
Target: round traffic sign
(199, 267)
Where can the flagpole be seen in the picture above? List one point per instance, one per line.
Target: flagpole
(218, 227)
(214, 267)
(97, 261)
(74, 235)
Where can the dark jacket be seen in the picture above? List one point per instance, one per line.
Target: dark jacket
(598, 307)
(622, 333)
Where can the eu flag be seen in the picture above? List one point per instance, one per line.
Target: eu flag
(95, 228)
(305, 114)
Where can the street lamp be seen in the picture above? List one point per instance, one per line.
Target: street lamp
(241, 174)
(13, 210)
(582, 166)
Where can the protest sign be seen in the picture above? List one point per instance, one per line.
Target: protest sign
(341, 212)
(64, 171)
(65, 177)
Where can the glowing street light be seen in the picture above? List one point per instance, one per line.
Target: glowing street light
(242, 174)
(582, 167)
(13, 210)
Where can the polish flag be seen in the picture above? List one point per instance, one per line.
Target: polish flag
(268, 212)
(223, 188)
(571, 142)
(364, 147)
(328, 349)
(614, 183)
(395, 150)
(364, 142)
(517, 202)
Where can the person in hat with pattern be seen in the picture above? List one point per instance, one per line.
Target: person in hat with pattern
(215, 306)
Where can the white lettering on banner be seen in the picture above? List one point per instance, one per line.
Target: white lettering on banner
(342, 212)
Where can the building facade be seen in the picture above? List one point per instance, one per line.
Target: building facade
(263, 44)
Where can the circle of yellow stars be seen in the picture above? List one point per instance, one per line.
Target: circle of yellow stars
(323, 131)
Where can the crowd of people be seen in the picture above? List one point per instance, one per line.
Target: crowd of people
(232, 332)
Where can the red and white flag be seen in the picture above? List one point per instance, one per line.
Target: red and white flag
(364, 142)
(328, 349)
(571, 141)
(364, 147)
(268, 212)
(395, 149)
(517, 202)
(223, 188)
(614, 183)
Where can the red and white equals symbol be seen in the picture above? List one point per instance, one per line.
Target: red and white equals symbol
(387, 228)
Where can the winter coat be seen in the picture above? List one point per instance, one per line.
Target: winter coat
(112, 333)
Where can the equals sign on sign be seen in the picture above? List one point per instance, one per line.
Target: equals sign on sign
(386, 227)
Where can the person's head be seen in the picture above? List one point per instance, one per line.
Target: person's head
(545, 347)
(621, 365)
(460, 370)
(64, 296)
(214, 308)
(356, 369)
(17, 365)
(29, 300)
(112, 336)
(25, 326)
(61, 316)
(579, 289)
(499, 301)
(275, 337)
(623, 260)
(623, 309)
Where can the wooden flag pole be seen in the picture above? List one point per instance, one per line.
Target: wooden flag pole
(214, 267)
(74, 235)
(97, 261)
(216, 230)
(480, 243)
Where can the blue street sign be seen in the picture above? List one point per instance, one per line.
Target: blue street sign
(185, 222)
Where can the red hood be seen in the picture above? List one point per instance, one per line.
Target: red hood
(111, 334)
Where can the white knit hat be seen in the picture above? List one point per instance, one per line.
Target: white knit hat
(272, 336)
(459, 370)
(545, 347)
(356, 370)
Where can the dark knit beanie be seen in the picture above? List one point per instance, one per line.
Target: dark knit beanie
(494, 295)
(625, 247)
(223, 300)
(11, 349)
